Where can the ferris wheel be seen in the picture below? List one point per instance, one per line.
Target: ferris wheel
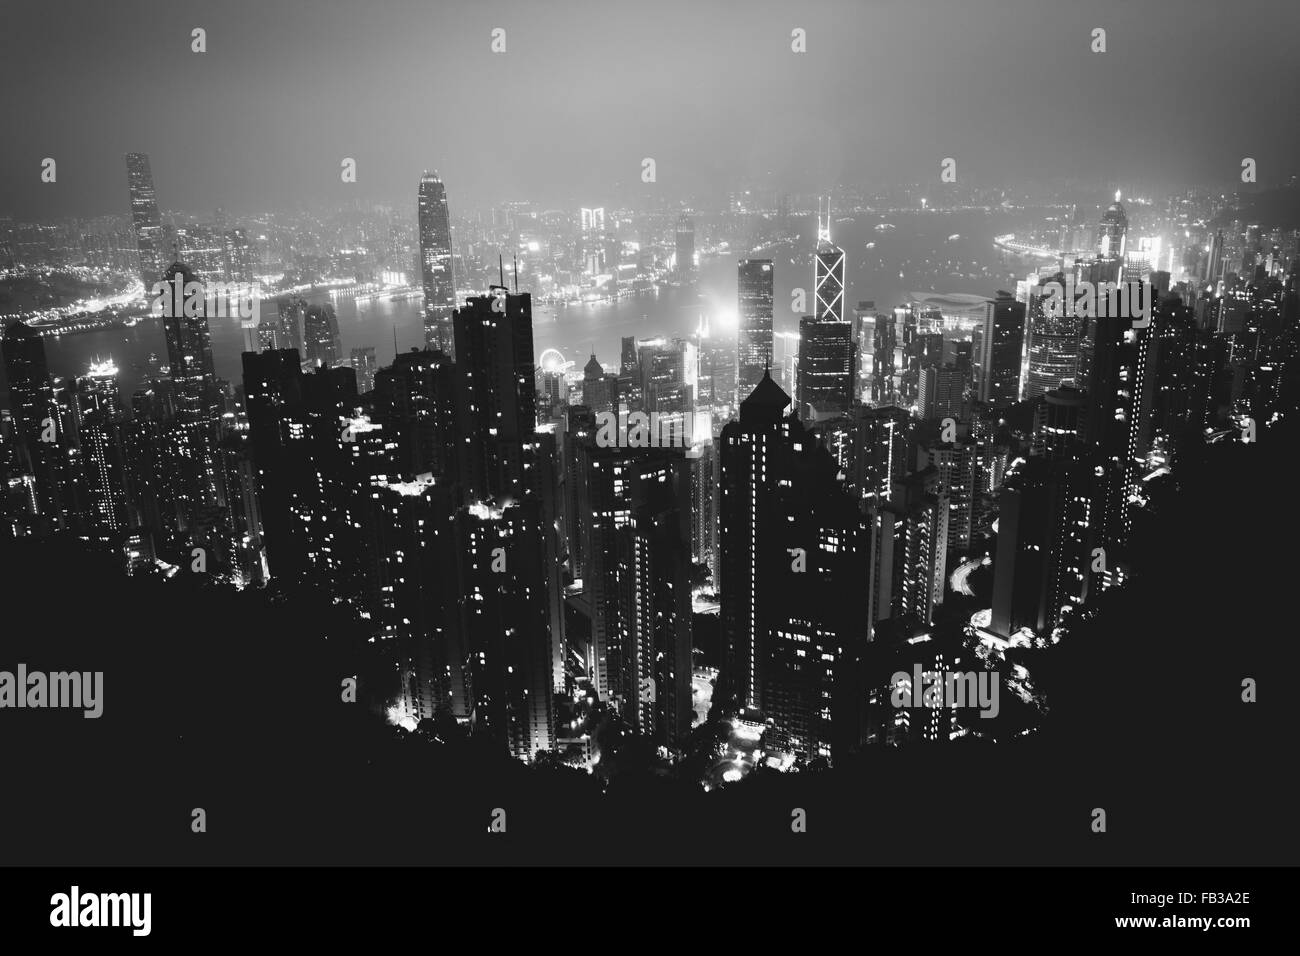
(552, 360)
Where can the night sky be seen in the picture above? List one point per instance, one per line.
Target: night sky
(712, 91)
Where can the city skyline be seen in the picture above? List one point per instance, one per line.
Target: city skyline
(656, 435)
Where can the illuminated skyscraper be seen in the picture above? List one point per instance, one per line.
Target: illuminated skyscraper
(754, 335)
(35, 414)
(1001, 341)
(145, 218)
(321, 331)
(685, 247)
(1113, 230)
(436, 264)
(825, 373)
(189, 347)
(1053, 344)
(826, 366)
(365, 365)
(828, 273)
(494, 342)
(794, 555)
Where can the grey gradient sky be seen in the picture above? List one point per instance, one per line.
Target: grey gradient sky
(709, 88)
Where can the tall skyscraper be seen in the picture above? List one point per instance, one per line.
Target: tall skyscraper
(1112, 233)
(826, 364)
(825, 372)
(1001, 341)
(321, 335)
(189, 350)
(794, 554)
(754, 335)
(1053, 344)
(365, 365)
(685, 237)
(37, 427)
(828, 272)
(436, 264)
(145, 219)
(494, 345)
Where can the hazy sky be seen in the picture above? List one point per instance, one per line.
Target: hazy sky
(709, 88)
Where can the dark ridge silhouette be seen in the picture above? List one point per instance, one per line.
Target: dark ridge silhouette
(231, 701)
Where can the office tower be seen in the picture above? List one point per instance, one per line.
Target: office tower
(284, 330)
(145, 219)
(321, 336)
(436, 264)
(597, 388)
(494, 345)
(1059, 422)
(669, 378)
(685, 247)
(552, 395)
(365, 365)
(785, 360)
(828, 273)
(940, 394)
(923, 349)
(825, 366)
(1112, 232)
(864, 334)
(36, 422)
(1047, 527)
(1054, 342)
(794, 552)
(1213, 270)
(1001, 340)
(189, 348)
(754, 336)
(884, 343)
(98, 391)
(629, 376)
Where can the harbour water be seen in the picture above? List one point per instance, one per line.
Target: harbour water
(925, 252)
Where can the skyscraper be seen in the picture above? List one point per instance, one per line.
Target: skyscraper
(826, 365)
(685, 247)
(1053, 344)
(35, 414)
(321, 334)
(365, 365)
(794, 553)
(145, 218)
(494, 345)
(754, 335)
(436, 264)
(825, 372)
(1001, 340)
(828, 272)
